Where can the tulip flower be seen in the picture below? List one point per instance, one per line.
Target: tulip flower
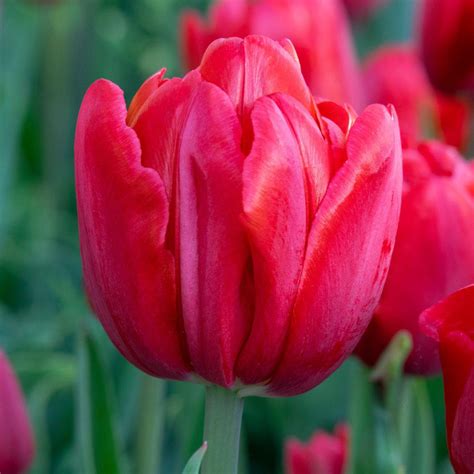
(434, 251)
(395, 75)
(323, 454)
(319, 30)
(447, 43)
(231, 230)
(451, 324)
(17, 445)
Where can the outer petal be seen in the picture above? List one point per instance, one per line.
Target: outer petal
(123, 214)
(285, 177)
(433, 256)
(213, 251)
(451, 322)
(17, 446)
(348, 254)
(251, 68)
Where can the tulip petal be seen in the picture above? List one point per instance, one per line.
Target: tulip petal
(285, 177)
(348, 255)
(251, 68)
(451, 322)
(439, 212)
(140, 99)
(159, 127)
(213, 251)
(123, 214)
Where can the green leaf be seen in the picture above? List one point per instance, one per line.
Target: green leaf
(98, 452)
(194, 464)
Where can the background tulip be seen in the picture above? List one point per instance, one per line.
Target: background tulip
(17, 445)
(433, 255)
(447, 42)
(319, 29)
(221, 220)
(451, 324)
(395, 75)
(323, 454)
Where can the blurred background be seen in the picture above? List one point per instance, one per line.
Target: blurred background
(78, 389)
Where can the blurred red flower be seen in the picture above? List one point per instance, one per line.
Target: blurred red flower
(229, 227)
(395, 75)
(447, 44)
(451, 324)
(319, 29)
(17, 447)
(323, 454)
(434, 251)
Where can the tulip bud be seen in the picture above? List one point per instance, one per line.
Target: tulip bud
(434, 251)
(17, 445)
(231, 230)
(451, 324)
(447, 43)
(323, 454)
(319, 29)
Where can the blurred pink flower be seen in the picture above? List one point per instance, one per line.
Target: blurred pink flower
(319, 30)
(323, 454)
(17, 445)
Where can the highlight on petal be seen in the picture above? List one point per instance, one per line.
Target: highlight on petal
(123, 216)
(345, 267)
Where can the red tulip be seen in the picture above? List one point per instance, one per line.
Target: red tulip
(434, 251)
(230, 230)
(319, 29)
(447, 43)
(395, 75)
(451, 324)
(17, 447)
(323, 454)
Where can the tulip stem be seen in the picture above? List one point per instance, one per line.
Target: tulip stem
(150, 424)
(223, 418)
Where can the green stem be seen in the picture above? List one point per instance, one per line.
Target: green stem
(223, 418)
(150, 425)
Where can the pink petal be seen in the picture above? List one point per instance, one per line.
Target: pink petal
(252, 68)
(213, 251)
(348, 254)
(285, 177)
(123, 214)
(139, 101)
